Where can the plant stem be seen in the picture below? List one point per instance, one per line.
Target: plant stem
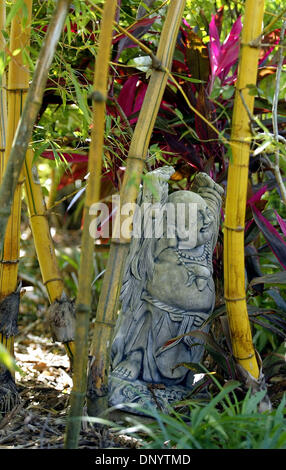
(109, 296)
(30, 112)
(18, 81)
(234, 264)
(92, 196)
(3, 96)
(276, 167)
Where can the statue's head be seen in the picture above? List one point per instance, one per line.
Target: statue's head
(205, 218)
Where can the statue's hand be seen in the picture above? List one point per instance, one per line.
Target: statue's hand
(163, 173)
(202, 180)
(155, 184)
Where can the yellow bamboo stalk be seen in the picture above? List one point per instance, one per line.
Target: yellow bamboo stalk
(62, 310)
(18, 82)
(92, 195)
(45, 250)
(234, 266)
(17, 85)
(40, 228)
(108, 301)
(30, 112)
(3, 98)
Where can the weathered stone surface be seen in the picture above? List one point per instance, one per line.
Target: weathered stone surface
(167, 291)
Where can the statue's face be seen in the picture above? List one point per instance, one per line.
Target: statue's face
(205, 224)
(204, 217)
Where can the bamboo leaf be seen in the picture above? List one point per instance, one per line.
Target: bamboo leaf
(81, 96)
(19, 4)
(7, 360)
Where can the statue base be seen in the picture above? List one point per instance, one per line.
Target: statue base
(125, 394)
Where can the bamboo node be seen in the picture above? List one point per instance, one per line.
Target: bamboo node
(52, 280)
(100, 322)
(98, 97)
(16, 90)
(38, 215)
(82, 308)
(157, 64)
(255, 43)
(10, 261)
(243, 358)
(240, 141)
(136, 158)
(234, 299)
(234, 229)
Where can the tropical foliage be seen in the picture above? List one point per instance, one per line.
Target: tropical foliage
(192, 132)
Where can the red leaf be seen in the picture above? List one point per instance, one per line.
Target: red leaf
(281, 222)
(138, 24)
(131, 96)
(127, 94)
(223, 57)
(230, 49)
(272, 236)
(257, 196)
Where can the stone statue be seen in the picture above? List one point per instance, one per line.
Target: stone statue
(167, 291)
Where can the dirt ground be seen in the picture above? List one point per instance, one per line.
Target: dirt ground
(39, 421)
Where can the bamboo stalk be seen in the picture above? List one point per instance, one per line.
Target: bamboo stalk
(30, 112)
(92, 195)
(50, 272)
(234, 267)
(18, 82)
(44, 244)
(109, 296)
(3, 97)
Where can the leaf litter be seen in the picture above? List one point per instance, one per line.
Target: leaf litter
(44, 385)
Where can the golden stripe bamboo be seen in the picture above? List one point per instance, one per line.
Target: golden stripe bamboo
(18, 82)
(3, 98)
(41, 234)
(44, 245)
(40, 229)
(30, 112)
(92, 196)
(108, 301)
(234, 266)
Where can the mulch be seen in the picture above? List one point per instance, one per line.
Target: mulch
(44, 384)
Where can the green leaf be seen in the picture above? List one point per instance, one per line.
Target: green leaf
(2, 63)
(7, 359)
(142, 63)
(276, 278)
(81, 96)
(14, 10)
